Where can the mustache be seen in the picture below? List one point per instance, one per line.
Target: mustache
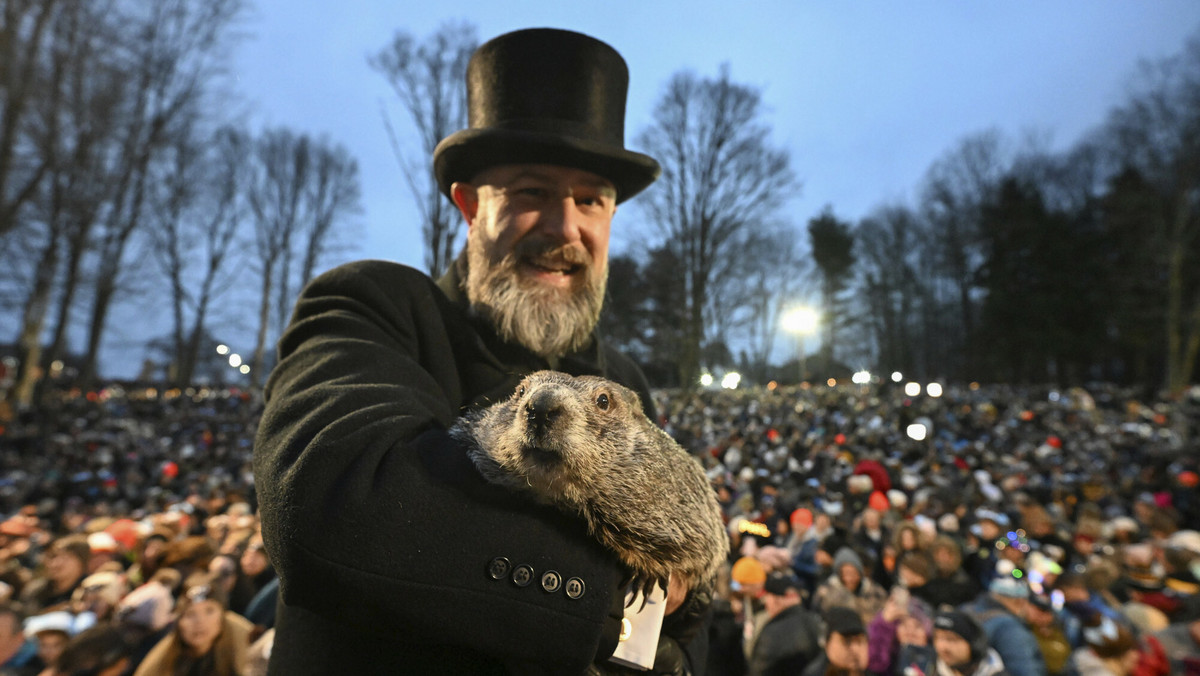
(548, 253)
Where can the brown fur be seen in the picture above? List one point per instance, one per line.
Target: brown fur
(584, 445)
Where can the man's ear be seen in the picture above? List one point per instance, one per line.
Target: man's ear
(466, 198)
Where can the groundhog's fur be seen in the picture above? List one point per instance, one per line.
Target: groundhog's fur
(585, 445)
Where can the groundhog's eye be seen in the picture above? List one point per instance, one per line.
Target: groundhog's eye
(602, 401)
(520, 391)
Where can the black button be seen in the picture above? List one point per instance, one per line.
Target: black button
(498, 568)
(522, 575)
(575, 588)
(551, 581)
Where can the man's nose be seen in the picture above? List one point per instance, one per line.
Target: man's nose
(561, 220)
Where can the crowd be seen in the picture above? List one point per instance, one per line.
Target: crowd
(1027, 531)
(1023, 531)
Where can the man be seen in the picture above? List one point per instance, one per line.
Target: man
(962, 648)
(846, 646)
(394, 555)
(1001, 612)
(790, 638)
(18, 656)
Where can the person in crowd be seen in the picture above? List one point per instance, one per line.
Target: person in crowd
(899, 636)
(962, 647)
(849, 586)
(804, 543)
(18, 655)
(950, 585)
(1109, 649)
(790, 638)
(256, 569)
(1050, 633)
(98, 651)
(1181, 643)
(146, 613)
(208, 638)
(846, 649)
(1001, 611)
(65, 564)
(51, 632)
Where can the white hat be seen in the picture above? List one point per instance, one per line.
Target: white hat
(59, 620)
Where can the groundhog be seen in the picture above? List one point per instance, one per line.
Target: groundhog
(584, 445)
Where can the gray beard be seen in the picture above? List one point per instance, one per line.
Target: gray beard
(549, 322)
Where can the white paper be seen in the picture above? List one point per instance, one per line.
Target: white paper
(640, 629)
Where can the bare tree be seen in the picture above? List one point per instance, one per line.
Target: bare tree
(194, 217)
(67, 126)
(175, 50)
(955, 188)
(276, 193)
(427, 78)
(890, 248)
(332, 196)
(773, 280)
(721, 175)
(23, 28)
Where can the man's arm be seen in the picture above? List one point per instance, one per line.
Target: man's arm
(375, 518)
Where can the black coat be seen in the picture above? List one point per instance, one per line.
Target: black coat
(394, 556)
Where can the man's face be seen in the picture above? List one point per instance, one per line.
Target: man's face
(538, 251)
(951, 648)
(850, 576)
(11, 637)
(847, 652)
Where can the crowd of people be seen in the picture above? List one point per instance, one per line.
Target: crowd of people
(1027, 531)
(1024, 531)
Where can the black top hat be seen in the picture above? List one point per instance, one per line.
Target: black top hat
(545, 96)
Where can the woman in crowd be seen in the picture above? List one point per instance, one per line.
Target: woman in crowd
(899, 636)
(208, 639)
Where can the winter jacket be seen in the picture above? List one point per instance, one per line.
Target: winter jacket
(1009, 636)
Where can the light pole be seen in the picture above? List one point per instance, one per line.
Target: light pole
(800, 322)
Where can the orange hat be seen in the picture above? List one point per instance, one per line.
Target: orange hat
(802, 518)
(748, 570)
(1188, 478)
(878, 501)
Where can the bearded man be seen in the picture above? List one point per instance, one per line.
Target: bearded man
(394, 556)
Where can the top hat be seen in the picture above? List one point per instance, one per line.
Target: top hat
(545, 96)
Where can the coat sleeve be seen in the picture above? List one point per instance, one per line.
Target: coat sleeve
(375, 518)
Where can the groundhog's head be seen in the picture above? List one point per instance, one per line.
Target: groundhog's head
(557, 428)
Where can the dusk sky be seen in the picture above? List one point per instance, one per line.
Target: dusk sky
(865, 95)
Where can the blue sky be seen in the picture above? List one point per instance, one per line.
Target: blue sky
(865, 95)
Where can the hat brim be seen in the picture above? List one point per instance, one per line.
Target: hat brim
(462, 155)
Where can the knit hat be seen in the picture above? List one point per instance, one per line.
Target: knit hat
(779, 583)
(843, 620)
(748, 570)
(846, 555)
(1008, 581)
(802, 518)
(966, 627)
(149, 606)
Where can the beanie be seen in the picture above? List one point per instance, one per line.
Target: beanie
(748, 570)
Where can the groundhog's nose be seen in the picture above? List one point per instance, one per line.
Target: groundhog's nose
(542, 410)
